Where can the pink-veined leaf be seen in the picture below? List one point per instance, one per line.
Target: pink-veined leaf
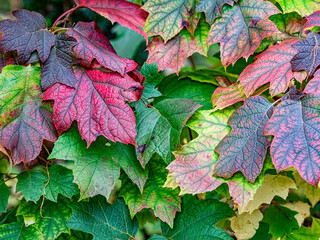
(245, 147)
(295, 126)
(273, 65)
(313, 20)
(313, 86)
(97, 104)
(212, 8)
(241, 29)
(226, 96)
(92, 44)
(127, 14)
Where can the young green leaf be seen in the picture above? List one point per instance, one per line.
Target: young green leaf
(4, 196)
(303, 7)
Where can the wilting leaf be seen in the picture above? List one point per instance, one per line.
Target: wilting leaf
(212, 8)
(226, 96)
(25, 35)
(245, 147)
(241, 29)
(273, 65)
(102, 220)
(313, 20)
(294, 126)
(303, 7)
(24, 120)
(164, 202)
(97, 104)
(127, 14)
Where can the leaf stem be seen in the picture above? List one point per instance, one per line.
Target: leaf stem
(67, 14)
(59, 30)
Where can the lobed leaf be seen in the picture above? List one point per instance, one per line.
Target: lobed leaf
(313, 20)
(212, 8)
(303, 7)
(224, 97)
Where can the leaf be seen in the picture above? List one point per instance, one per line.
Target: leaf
(24, 120)
(97, 104)
(191, 225)
(17, 231)
(241, 29)
(25, 35)
(313, 20)
(102, 220)
(280, 219)
(31, 183)
(224, 97)
(173, 54)
(262, 232)
(4, 196)
(193, 167)
(272, 185)
(7, 59)
(303, 7)
(75, 235)
(58, 67)
(273, 65)
(159, 128)
(313, 86)
(157, 237)
(294, 126)
(307, 57)
(167, 18)
(245, 147)
(53, 220)
(92, 44)
(60, 182)
(302, 209)
(125, 13)
(212, 8)
(163, 201)
(305, 233)
(245, 225)
(153, 78)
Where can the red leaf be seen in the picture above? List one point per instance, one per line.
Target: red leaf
(98, 105)
(7, 59)
(295, 126)
(245, 147)
(92, 44)
(127, 14)
(313, 87)
(26, 35)
(226, 96)
(273, 65)
(241, 29)
(313, 20)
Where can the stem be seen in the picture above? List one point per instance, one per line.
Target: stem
(59, 30)
(45, 147)
(69, 12)
(276, 102)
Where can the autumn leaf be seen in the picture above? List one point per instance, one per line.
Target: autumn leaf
(98, 105)
(294, 126)
(313, 20)
(224, 97)
(25, 35)
(241, 29)
(125, 13)
(212, 8)
(92, 44)
(273, 65)
(7, 59)
(25, 120)
(303, 7)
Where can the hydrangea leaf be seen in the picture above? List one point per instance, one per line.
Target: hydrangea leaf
(294, 126)
(307, 58)
(18, 231)
(313, 86)
(302, 209)
(193, 167)
(159, 128)
(224, 97)
(167, 18)
(273, 65)
(153, 78)
(190, 225)
(4, 197)
(26, 34)
(92, 44)
(164, 202)
(97, 94)
(290, 23)
(241, 29)
(102, 220)
(313, 20)
(58, 66)
(7, 59)
(245, 147)
(305, 232)
(303, 7)
(24, 120)
(75, 235)
(51, 220)
(127, 14)
(212, 8)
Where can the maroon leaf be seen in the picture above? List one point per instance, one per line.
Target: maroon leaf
(313, 20)
(293, 94)
(7, 59)
(92, 44)
(295, 126)
(97, 104)
(226, 96)
(273, 65)
(308, 56)
(127, 14)
(241, 29)
(212, 8)
(313, 87)
(245, 147)
(58, 67)
(26, 35)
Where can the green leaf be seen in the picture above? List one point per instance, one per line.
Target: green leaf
(102, 220)
(159, 128)
(157, 237)
(17, 231)
(163, 201)
(303, 7)
(280, 219)
(262, 232)
(305, 233)
(60, 183)
(75, 235)
(31, 183)
(4, 196)
(197, 220)
(153, 78)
